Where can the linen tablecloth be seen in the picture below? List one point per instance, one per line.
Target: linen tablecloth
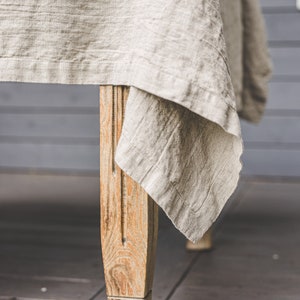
(181, 138)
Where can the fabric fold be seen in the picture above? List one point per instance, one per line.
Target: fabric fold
(181, 137)
(190, 167)
(249, 57)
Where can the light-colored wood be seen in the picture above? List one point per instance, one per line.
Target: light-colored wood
(204, 244)
(149, 297)
(129, 217)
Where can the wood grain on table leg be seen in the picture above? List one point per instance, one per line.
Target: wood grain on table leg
(129, 217)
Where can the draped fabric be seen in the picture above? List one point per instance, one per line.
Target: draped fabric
(248, 55)
(192, 68)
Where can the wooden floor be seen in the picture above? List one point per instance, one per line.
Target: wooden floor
(49, 246)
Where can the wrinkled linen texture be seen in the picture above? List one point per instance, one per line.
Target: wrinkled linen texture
(248, 56)
(181, 138)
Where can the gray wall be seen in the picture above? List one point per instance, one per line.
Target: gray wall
(51, 128)
(55, 128)
(273, 147)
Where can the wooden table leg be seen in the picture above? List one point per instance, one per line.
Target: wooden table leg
(129, 217)
(205, 244)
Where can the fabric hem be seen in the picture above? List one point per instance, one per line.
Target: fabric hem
(211, 106)
(135, 73)
(189, 222)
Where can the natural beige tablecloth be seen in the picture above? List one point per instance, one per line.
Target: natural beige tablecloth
(181, 136)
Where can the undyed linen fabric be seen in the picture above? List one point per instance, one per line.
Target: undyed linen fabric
(248, 56)
(181, 138)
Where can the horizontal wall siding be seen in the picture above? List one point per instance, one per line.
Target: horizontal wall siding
(41, 125)
(271, 162)
(273, 129)
(55, 128)
(52, 157)
(278, 4)
(286, 62)
(284, 96)
(283, 26)
(49, 128)
(272, 148)
(32, 96)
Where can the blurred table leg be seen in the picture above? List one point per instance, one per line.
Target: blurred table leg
(205, 244)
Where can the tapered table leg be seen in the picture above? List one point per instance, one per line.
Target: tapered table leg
(205, 244)
(129, 217)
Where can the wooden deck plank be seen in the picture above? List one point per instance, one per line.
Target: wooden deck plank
(43, 289)
(57, 237)
(54, 244)
(49, 237)
(257, 250)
